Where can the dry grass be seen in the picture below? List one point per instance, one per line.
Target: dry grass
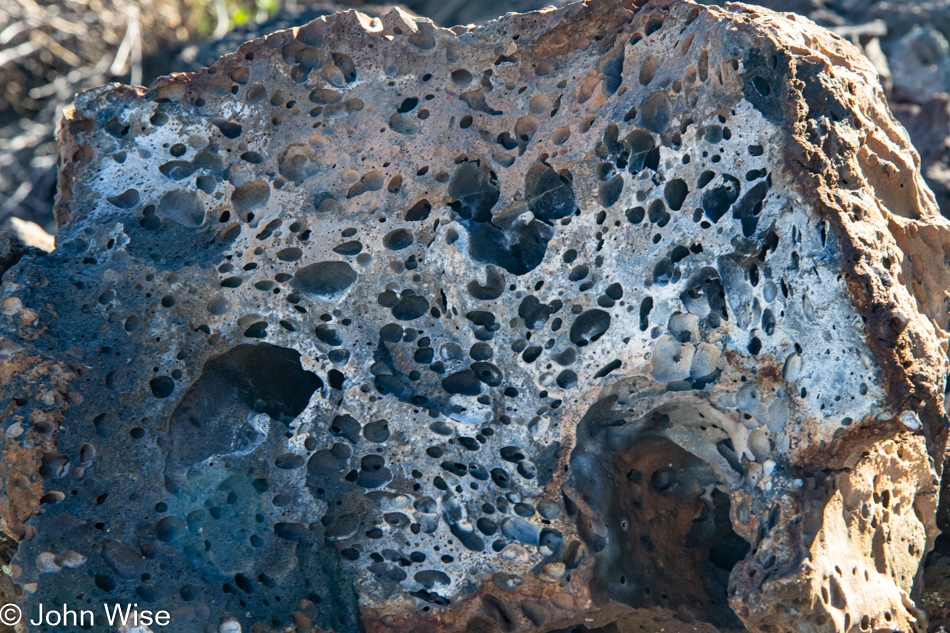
(46, 47)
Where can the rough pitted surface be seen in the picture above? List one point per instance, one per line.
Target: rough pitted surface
(374, 325)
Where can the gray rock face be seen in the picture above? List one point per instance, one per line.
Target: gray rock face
(920, 62)
(373, 325)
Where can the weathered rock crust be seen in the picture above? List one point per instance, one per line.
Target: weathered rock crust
(790, 362)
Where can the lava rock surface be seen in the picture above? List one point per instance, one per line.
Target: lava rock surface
(582, 314)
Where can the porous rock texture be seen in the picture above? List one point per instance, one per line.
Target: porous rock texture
(616, 311)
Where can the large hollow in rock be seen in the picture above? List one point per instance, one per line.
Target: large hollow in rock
(623, 314)
(665, 512)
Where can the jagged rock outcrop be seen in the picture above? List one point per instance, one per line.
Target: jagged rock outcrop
(579, 317)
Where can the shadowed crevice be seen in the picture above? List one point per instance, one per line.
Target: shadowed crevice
(229, 408)
(659, 519)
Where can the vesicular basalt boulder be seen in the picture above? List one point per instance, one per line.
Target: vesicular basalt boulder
(618, 311)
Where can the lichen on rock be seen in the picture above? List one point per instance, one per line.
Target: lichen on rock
(569, 318)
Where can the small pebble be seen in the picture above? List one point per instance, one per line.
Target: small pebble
(515, 553)
(561, 600)
(48, 563)
(229, 625)
(552, 572)
(910, 420)
(73, 559)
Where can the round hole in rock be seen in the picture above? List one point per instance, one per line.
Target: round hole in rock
(461, 77)
(324, 280)
(162, 386)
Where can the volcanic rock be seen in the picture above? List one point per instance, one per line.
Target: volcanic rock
(581, 317)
